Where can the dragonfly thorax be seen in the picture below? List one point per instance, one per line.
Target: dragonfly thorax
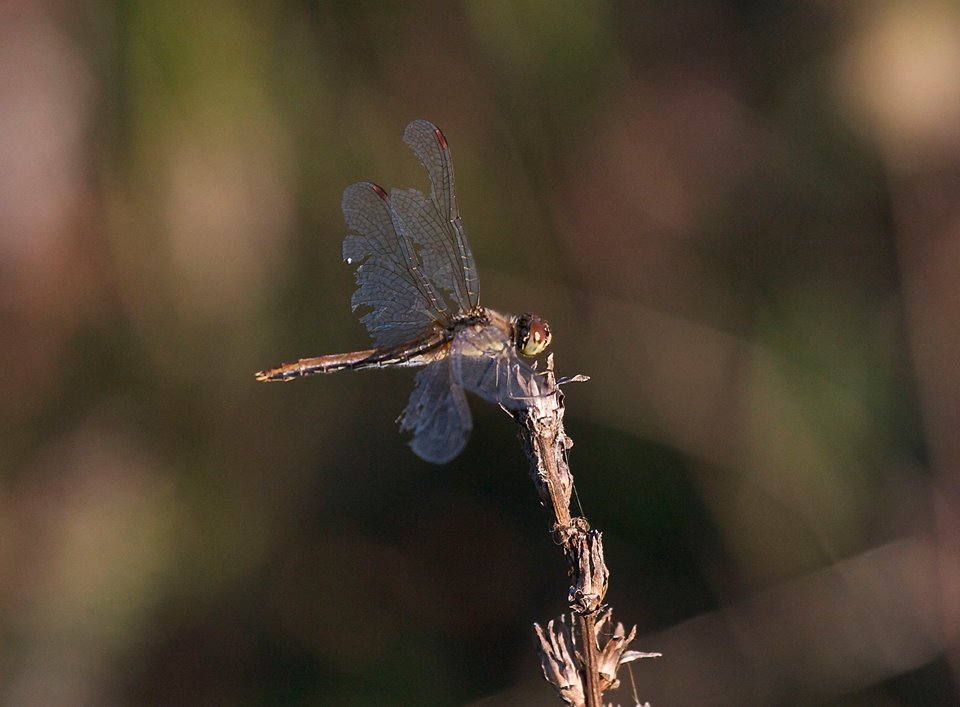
(477, 315)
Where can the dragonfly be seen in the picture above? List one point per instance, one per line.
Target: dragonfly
(417, 280)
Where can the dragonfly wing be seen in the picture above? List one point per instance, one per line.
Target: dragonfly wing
(422, 226)
(437, 414)
(435, 222)
(402, 302)
(488, 365)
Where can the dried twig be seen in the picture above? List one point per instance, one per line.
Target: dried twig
(575, 658)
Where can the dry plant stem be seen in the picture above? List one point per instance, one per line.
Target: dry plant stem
(591, 667)
(571, 657)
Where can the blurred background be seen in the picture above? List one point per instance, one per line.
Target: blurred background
(741, 218)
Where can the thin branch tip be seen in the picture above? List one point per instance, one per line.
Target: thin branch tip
(576, 656)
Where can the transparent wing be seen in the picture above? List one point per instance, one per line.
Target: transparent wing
(487, 364)
(390, 279)
(434, 223)
(437, 414)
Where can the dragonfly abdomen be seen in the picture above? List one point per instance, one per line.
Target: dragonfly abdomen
(413, 353)
(315, 365)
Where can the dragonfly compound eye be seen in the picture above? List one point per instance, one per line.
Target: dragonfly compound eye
(534, 334)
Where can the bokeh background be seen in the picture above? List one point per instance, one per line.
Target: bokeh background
(741, 218)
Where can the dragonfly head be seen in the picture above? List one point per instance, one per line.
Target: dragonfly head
(533, 334)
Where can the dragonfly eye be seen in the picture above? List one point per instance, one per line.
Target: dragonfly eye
(533, 334)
